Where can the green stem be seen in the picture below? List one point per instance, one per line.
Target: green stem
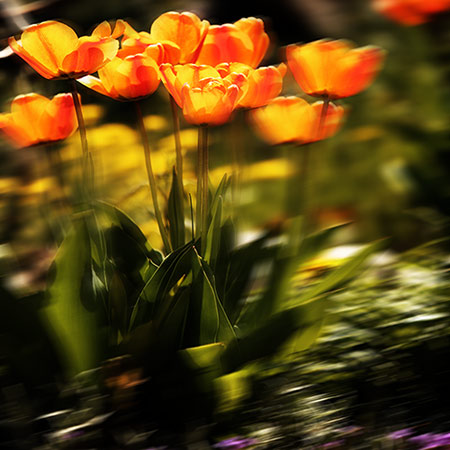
(87, 163)
(198, 203)
(205, 190)
(323, 115)
(176, 134)
(151, 177)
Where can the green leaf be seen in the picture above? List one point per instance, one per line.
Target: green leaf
(213, 235)
(176, 265)
(220, 192)
(266, 339)
(76, 327)
(118, 304)
(176, 213)
(203, 356)
(287, 262)
(243, 262)
(119, 218)
(232, 389)
(210, 319)
(341, 275)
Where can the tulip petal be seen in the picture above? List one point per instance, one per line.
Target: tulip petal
(91, 54)
(16, 133)
(59, 118)
(34, 63)
(49, 42)
(27, 111)
(254, 29)
(226, 43)
(95, 84)
(185, 29)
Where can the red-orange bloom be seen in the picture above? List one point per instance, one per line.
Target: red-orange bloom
(35, 119)
(263, 84)
(245, 41)
(133, 43)
(410, 12)
(333, 69)
(175, 77)
(55, 51)
(292, 119)
(185, 30)
(127, 78)
(203, 94)
(211, 102)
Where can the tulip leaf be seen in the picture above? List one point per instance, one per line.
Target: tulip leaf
(243, 261)
(266, 339)
(232, 389)
(220, 193)
(287, 262)
(172, 269)
(75, 326)
(176, 213)
(213, 235)
(341, 275)
(211, 320)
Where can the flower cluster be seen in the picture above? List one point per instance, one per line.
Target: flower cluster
(209, 70)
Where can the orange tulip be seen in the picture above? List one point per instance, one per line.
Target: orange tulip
(174, 77)
(211, 102)
(35, 119)
(134, 42)
(410, 12)
(263, 84)
(185, 30)
(54, 50)
(333, 69)
(128, 78)
(245, 41)
(292, 119)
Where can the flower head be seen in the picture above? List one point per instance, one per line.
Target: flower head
(263, 84)
(127, 78)
(245, 41)
(333, 69)
(410, 12)
(55, 51)
(185, 30)
(292, 119)
(35, 119)
(210, 102)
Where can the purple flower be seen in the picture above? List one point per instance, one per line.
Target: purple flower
(333, 444)
(400, 434)
(431, 440)
(234, 443)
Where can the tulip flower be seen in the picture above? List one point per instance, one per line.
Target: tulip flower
(210, 102)
(55, 51)
(174, 77)
(185, 30)
(292, 119)
(128, 78)
(410, 12)
(35, 119)
(333, 69)
(245, 41)
(263, 84)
